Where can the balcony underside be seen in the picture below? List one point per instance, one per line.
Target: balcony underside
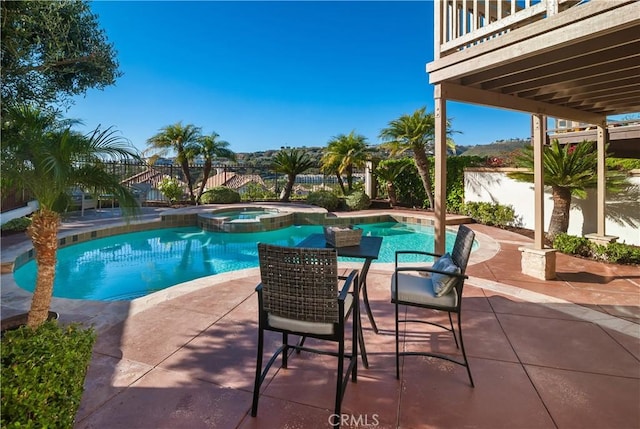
(582, 64)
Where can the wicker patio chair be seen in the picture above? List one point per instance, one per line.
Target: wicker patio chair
(299, 294)
(440, 290)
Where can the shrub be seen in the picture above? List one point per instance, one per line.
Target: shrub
(171, 189)
(255, 192)
(324, 199)
(220, 195)
(358, 200)
(43, 373)
(18, 224)
(620, 253)
(572, 245)
(490, 213)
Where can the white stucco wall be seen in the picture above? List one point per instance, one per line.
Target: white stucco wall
(493, 185)
(31, 207)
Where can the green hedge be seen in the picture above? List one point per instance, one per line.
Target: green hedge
(43, 373)
(325, 199)
(409, 188)
(490, 213)
(619, 253)
(220, 195)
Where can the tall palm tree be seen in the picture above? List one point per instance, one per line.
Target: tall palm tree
(415, 133)
(343, 154)
(210, 148)
(290, 162)
(43, 155)
(180, 139)
(569, 170)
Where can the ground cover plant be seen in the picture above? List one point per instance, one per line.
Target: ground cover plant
(43, 372)
(16, 225)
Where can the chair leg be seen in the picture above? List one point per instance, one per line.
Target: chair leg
(464, 354)
(285, 352)
(453, 331)
(397, 345)
(339, 384)
(356, 333)
(257, 383)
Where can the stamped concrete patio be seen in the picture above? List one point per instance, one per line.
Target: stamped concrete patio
(544, 354)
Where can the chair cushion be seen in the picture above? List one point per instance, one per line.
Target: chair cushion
(442, 261)
(442, 283)
(305, 327)
(419, 290)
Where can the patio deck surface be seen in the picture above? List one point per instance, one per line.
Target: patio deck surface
(563, 353)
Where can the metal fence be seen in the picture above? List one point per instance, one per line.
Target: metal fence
(250, 181)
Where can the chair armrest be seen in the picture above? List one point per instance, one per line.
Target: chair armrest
(259, 288)
(347, 284)
(430, 270)
(416, 252)
(413, 252)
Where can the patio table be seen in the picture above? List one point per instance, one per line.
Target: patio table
(368, 249)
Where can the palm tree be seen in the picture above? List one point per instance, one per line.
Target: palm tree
(209, 147)
(180, 139)
(343, 154)
(415, 132)
(290, 162)
(387, 174)
(44, 156)
(569, 170)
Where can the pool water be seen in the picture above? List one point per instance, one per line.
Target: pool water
(244, 214)
(128, 266)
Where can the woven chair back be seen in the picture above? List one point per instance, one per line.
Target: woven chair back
(462, 247)
(300, 283)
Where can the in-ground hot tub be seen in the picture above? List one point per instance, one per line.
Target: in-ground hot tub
(245, 219)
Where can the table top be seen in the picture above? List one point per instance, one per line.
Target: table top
(369, 247)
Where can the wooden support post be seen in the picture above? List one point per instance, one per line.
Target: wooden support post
(440, 197)
(539, 137)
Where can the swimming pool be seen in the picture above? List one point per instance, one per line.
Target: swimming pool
(128, 266)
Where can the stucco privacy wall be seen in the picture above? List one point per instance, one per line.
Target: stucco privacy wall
(493, 185)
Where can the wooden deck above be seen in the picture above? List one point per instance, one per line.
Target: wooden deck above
(575, 60)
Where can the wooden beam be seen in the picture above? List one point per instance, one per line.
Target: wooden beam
(451, 91)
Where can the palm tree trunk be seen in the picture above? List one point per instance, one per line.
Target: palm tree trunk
(560, 215)
(341, 183)
(286, 194)
(44, 235)
(187, 176)
(391, 191)
(424, 170)
(205, 176)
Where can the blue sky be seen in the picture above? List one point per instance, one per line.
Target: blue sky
(270, 74)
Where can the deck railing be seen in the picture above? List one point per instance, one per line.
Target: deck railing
(465, 23)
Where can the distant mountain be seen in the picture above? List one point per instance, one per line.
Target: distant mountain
(499, 148)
